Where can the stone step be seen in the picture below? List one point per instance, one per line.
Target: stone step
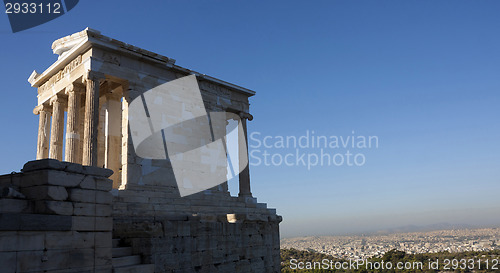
(121, 251)
(116, 242)
(140, 268)
(127, 260)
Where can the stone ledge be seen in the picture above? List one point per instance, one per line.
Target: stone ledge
(96, 171)
(52, 164)
(43, 164)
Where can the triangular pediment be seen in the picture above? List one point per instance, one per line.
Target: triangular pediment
(65, 44)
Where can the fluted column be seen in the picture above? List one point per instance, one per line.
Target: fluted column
(113, 134)
(230, 173)
(101, 128)
(72, 152)
(81, 127)
(42, 148)
(244, 176)
(126, 143)
(57, 128)
(91, 119)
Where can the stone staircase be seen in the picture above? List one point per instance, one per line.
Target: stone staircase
(125, 262)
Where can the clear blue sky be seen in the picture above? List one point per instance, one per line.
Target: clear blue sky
(423, 76)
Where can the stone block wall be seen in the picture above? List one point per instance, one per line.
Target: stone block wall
(209, 231)
(61, 217)
(203, 243)
(56, 217)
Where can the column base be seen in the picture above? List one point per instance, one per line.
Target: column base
(247, 199)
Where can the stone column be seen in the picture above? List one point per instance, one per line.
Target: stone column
(57, 128)
(42, 148)
(113, 134)
(126, 143)
(125, 140)
(102, 127)
(243, 157)
(230, 117)
(91, 118)
(81, 127)
(72, 152)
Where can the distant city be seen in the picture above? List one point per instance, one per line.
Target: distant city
(363, 247)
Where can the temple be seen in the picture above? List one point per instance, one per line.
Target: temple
(84, 101)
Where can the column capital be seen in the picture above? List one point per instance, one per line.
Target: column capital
(126, 89)
(115, 94)
(42, 108)
(93, 76)
(56, 98)
(245, 115)
(74, 87)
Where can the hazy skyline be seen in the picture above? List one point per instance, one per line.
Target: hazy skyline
(421, 76)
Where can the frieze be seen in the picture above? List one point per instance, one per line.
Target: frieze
(62, 73)
(217, 89)
(111, 58)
